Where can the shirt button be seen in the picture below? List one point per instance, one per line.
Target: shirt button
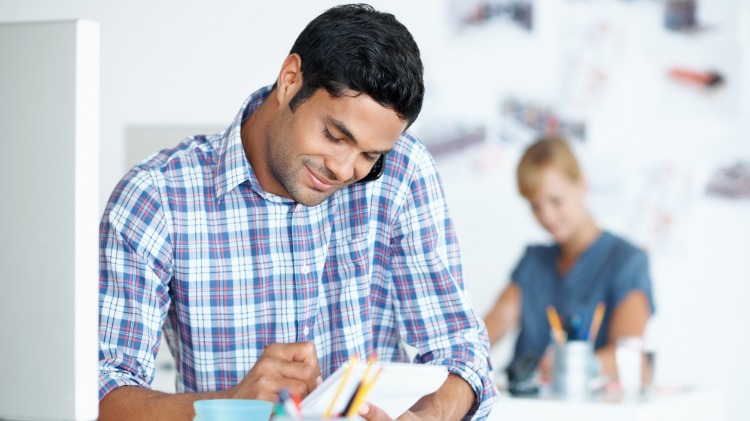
(305, 270)
(306, 330)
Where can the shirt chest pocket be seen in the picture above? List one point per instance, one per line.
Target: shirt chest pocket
(346, 292)
(347, 262)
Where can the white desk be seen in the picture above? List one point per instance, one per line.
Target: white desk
(698, 405)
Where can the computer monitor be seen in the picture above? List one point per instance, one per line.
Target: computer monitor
(49, 123)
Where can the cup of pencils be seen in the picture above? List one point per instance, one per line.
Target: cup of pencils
(574, 369)
(288, 409)
(575, 364)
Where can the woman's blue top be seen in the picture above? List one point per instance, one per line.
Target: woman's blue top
(605, 272)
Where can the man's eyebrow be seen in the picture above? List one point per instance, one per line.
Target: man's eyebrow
(340, 126)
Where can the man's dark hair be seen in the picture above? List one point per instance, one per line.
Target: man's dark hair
(355, 47)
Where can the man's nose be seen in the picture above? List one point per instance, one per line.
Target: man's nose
(342, 166)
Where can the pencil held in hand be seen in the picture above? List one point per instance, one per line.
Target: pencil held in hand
(349, 368)
(361, 395)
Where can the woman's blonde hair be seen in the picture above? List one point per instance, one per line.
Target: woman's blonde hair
(548, 151)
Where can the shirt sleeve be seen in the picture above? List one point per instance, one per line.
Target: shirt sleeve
(433, 309)
(134, 264)
(634, 275)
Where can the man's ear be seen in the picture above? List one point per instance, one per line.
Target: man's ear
(290, 79)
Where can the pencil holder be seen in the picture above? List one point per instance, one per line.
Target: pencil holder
(573, 369)
(355, 418)
(232, 410)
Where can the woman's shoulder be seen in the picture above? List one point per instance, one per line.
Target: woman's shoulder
(540, 251)
(534, 262)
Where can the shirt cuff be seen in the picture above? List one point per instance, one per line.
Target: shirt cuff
(111, 380)
(484, 389)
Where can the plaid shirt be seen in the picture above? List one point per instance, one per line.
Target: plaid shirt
(191, 242)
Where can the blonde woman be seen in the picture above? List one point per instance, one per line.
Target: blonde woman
(585, 265)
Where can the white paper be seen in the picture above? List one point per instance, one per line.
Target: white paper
(399, 386)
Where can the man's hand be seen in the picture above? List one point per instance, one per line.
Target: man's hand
(371, 412)
(281, 366)
(450, 402)
(291, 366)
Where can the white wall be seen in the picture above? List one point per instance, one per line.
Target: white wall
(189, 63)
(173, 63)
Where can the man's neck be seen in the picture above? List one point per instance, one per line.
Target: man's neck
(253, 135)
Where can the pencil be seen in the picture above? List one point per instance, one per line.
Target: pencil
(554, 322)
(347, 373)
(290, 404)
(361, 394)
(596, 322)
(363, 381)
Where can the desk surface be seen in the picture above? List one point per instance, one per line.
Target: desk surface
(698, 405)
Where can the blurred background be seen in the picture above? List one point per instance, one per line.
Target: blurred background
(654, 94)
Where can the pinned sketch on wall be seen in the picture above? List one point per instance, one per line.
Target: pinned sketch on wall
(706, 80)
(660, 206)
(520, 13)
(649, 205)
(523, 122)
(681, 16)
(593, 47)
(589, 72)
(444, 140)
(731, 182)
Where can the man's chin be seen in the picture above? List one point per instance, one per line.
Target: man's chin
(311, 197)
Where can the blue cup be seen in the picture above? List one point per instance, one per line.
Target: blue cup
(232, 410)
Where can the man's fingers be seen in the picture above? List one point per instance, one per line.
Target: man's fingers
(268, 387)
(264, 396)
(295, 387)
(281, 366)
(303, 352)
(371, 412)
(300, 372)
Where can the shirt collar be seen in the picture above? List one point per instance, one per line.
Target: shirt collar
(233, 167)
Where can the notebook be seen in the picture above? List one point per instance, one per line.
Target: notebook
(398, 387)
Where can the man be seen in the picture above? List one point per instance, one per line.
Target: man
(312, 230)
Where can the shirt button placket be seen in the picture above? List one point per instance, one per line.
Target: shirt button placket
(302, 253)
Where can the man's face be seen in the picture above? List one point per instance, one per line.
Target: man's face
(328, 143)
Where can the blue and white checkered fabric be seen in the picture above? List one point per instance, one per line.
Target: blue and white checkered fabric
(190, 241)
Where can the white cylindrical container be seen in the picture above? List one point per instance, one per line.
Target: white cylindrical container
(573, 369)
(629, 357)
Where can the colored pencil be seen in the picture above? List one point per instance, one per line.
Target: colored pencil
(363, 381)
(554, 322)
(347, 373)
(362, 394)
(290, 404)
(596, 322)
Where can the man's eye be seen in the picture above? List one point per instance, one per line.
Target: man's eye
(371, 158)
(330, 137)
